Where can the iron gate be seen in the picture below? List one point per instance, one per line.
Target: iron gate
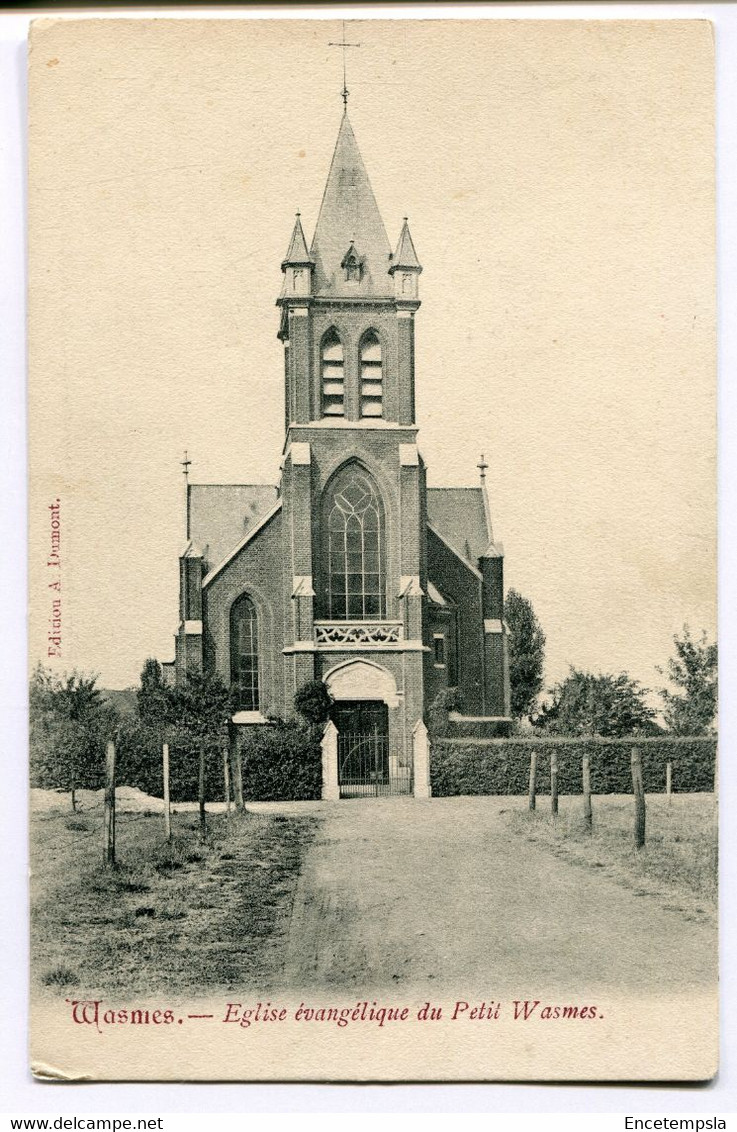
(367, 767)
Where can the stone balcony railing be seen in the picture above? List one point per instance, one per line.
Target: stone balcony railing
(358, 633)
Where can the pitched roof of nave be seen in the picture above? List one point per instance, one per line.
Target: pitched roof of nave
(349, 213)
(458, 515)
(221, 515)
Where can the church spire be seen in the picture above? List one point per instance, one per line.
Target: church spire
(349, 216)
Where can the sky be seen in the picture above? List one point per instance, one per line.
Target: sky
(558, 179)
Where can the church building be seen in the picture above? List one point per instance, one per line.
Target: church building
(351, 570)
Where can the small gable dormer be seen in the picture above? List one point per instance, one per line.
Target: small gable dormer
(352, 265)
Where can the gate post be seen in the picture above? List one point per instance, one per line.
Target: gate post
(421, 760)
(329, 745)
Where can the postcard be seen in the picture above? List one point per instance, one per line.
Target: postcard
(372, 549)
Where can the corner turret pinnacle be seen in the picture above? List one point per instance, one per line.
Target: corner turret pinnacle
(297, 253)
(405, 257)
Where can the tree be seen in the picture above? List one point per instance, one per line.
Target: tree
(693, 669)
(70, 725)
(313, 702)
(526, 654)
(199, 714)
(597, 704)
(154, 700)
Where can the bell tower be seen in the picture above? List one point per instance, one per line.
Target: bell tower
(353, 484)
(349, 287)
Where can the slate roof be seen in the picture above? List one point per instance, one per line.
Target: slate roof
(457, 515)
(220, 515)
(349, 213)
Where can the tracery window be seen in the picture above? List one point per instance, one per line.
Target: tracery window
(371, 375)
(333, 390)
(244, 652)
(356, 577)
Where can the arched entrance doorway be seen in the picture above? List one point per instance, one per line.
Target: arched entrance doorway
(370, 762)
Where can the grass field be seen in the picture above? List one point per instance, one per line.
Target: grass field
(185, 917)
(679, 859)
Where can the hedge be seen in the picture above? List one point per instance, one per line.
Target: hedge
(139, 763)
(502, 766)
(281, 763)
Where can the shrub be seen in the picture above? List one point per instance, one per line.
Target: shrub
(61, 976)
(281, 762)
(313, 702)
(450, 699)
(502, 766)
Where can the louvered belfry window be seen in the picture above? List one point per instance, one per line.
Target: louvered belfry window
(371, 376)
(333, 389)
(244, 652)
(356, 577)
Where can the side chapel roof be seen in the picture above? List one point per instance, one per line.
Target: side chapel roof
(458, 515)
(220, 515)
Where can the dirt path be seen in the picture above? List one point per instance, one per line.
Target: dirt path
(428, 895)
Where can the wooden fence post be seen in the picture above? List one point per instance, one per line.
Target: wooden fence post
(226, 777)
(554, 784)
(586, 775)
(533, 775)
(716, 775)
(201, 793)
(639, 793)
(669, 781)
(109, 854)
(237, 767)
(167, 802)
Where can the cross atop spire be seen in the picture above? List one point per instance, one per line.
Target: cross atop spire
(344, 45)
(186, 462)
(482, 467)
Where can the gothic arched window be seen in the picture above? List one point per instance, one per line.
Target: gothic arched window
(355, 581)
(371, 375)
(333, 394)
(244, 652)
